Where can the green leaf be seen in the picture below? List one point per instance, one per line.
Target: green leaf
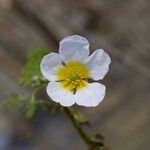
(14, 102)
(30, 73)
(30, 109)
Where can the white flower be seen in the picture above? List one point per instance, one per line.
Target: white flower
(70, 70)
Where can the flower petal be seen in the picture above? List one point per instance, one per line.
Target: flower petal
(58, 94)
(74, 47)
(91, 96)
(49, 65)
(98, 64)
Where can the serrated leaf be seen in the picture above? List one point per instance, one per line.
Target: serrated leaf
(30, 73)
(14, 101)
(30, 109)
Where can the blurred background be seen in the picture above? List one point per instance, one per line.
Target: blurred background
(121, 28)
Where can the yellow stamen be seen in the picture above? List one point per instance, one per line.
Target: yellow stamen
(73, 76)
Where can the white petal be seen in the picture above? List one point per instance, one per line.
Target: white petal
(58, 94)
(49, 65)
(91, 96)
(74, 47)
(98, 64)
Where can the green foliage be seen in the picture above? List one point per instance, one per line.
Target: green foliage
(14, 101)
(31, 107)
(79, 117)
(29, 104)
(30, 73)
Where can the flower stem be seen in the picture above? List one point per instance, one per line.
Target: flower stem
(93, 144)
(82, 134)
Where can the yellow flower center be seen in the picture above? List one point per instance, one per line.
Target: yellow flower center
(73, 76)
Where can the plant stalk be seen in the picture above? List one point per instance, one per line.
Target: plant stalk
(82, 134)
